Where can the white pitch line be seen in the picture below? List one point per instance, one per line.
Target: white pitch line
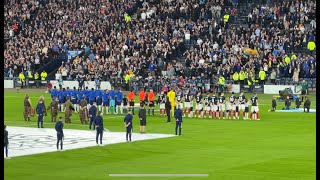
(159, 175)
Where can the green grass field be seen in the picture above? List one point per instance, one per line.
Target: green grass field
(281, 146)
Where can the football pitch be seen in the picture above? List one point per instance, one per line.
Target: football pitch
(281, 146)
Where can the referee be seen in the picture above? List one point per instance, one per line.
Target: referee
(143, 118)
(59, 129)
(6, 141)
(128, 124)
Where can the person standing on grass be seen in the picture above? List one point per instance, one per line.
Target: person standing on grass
(254, 108)
(168, 109)
(131, 101)
(143, 118)
(54, 106)
(306, 105)
(92, 115)
(98, 121)
(68, 110)
(151, 102)
(40, 109)
(178, 116)
(287, 103)
(27, 108)
(60, 135)
(128, 124)
(274, 104)
(6, 141)
(83, 110)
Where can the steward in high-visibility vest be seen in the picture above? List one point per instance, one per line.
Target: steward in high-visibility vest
(246, 75)
(221, 83)
(235, 77)
(226, 18)
(287, 59)
(262, 76)
(43, 75)
(293, 56)
(36, 76)
(241, 77)
(127, 79)
(30, 75)
(127, 18)
(22, 79)
(311, 45)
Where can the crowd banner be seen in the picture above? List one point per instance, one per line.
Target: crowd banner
(72, 54)
(90, 84)
(8, 84)
(274, 89)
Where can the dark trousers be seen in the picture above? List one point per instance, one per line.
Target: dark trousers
(99, 133)
(40, 121)
(178, 125)
(6, 148)
(168, 115)
(59, 140)
(128, 133)
(304, 109)
(92, 123)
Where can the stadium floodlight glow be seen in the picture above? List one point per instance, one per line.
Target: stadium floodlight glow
(159, 175)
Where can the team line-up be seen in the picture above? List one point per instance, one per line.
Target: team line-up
(114, 101)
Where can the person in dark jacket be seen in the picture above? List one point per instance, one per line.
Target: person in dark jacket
(298, 102)
(306, 105)
(274, 104)
(128, 124)
(178, 116)
(60, 135)
(6, 141)
(99, 126)
(92, 115)
(168, 109)
(287, 103)
(40, 109)
(143, 118)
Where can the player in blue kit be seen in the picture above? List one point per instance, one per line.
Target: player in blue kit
(98, 95)
(92, 97)
(119, 104)
(112, 103)
(54, 92)
(73, 95)
(105, 101)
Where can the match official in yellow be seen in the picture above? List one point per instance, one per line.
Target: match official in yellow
(172, 98)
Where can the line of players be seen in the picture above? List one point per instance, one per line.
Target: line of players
(216, 106)
(107, 101)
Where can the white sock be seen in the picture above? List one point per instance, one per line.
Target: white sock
(62, 107)
(121, 109)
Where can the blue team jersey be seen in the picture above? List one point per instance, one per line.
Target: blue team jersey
(119, 95)
(98, 94)
(112, 94)
(92, 95)
(54, 93)
(68, 92)
(105, 96)
(60, 96)
(80, 95)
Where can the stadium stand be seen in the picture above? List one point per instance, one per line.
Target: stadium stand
(158, 43)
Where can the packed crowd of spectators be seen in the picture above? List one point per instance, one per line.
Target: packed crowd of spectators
(156, 42)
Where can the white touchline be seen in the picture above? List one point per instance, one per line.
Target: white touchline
(159, 175)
